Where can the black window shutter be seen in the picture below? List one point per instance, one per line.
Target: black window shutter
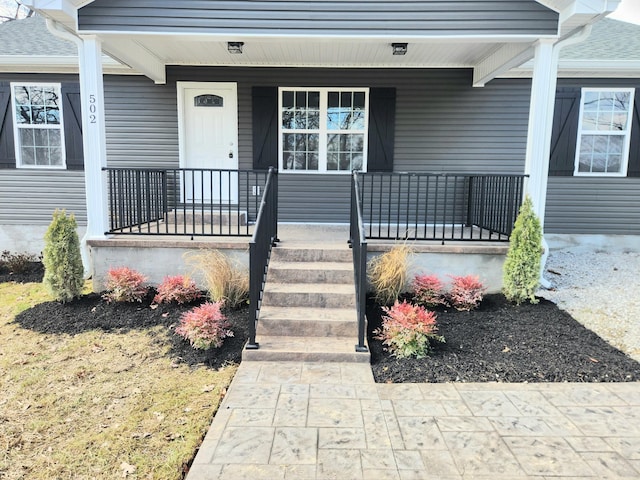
(633, 169)
(72, 118)
(7, 149)
(382, 122)
(565, 132)
(265, 127)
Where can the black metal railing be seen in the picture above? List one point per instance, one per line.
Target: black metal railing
(439, 206)
(184, 201)
(358, 242)
(494, 201)
(265, 236)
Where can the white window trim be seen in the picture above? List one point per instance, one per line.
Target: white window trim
(627, 133)
(16, 128)
(323, 131)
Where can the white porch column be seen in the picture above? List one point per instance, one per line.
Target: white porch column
(543, 91)
(94, 140)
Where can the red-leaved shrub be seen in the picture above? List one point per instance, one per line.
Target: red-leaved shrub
(466, 292)
(177, 289)
(428, 290)
(204, 326)
(407, 329)
(125, 285)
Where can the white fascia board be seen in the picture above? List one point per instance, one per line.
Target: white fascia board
(586, 69)
(53, 60)
(105, 35)
(588, 8)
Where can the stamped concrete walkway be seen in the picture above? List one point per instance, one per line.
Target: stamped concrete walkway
(287, 420)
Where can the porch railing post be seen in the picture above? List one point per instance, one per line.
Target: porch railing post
(359, 249)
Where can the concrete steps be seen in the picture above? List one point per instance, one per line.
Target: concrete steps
(277, 348)
(308, 310)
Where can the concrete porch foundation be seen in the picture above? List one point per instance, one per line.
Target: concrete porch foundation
(158, 256)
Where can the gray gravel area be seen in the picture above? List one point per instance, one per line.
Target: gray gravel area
(600, 289)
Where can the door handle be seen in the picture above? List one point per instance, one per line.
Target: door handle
(231, 154)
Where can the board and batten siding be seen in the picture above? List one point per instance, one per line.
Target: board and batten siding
(594, 205)
(287, 17)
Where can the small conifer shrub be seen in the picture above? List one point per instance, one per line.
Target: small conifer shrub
(63, 271)
(521, 271)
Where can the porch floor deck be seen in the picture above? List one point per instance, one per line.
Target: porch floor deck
(474, 240)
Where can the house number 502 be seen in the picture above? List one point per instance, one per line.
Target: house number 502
(92, 108)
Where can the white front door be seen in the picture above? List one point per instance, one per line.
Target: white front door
(208, 121)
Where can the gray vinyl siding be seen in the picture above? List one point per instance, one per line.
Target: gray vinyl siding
(286, 17)
(594, 205)
(590, 205)
(141, 123)
(443, 124)
(29, 196)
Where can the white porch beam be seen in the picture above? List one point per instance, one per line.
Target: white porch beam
(501, 60)
(136, 56)
(62, 11)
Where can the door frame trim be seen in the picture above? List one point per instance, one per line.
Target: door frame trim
(181, 87)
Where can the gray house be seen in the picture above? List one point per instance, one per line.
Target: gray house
(316, 90)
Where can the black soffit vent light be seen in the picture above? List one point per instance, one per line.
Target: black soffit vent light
(235, 47)
(399, 48)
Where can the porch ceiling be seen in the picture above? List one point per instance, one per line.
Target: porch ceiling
(172, 50)
(149, 53)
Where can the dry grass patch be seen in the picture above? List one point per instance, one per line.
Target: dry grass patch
(96, 404)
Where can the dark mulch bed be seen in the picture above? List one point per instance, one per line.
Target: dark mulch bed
(498, 342)
(91, 312)
(33, 273)
(506, 343)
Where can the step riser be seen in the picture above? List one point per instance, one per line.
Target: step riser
(311, 300)
(297, 328)
(311, 255)
(290, 275)
(267, 356)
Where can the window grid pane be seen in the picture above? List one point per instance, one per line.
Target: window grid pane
(604, 131)
(38, 125)
(322, 130)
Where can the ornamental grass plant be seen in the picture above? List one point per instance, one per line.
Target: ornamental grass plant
(225, 279)
(387, 274)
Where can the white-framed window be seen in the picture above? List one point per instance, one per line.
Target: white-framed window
(38, 126)
(322, 130)
(604, 131)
